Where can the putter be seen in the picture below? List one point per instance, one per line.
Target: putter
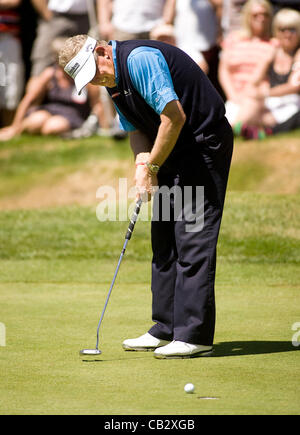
(96, 351)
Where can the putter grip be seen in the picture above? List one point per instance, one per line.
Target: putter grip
(133, 219)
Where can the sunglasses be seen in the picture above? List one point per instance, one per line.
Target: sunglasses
(287, 29)
(261, 14)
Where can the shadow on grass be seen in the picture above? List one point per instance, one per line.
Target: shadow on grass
(238, 348)
(230, 348)
(125, 358)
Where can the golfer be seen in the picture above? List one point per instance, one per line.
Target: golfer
(183, 144)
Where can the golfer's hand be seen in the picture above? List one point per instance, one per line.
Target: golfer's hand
(146, 184)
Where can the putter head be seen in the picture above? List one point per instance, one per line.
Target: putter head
(90, 352)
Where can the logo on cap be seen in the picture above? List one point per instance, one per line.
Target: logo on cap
(89, 48)
(74, 68)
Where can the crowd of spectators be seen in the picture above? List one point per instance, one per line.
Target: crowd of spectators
(249, 49)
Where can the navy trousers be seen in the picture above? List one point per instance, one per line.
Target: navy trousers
(184, 256)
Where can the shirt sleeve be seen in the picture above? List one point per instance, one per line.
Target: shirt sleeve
(150, 75)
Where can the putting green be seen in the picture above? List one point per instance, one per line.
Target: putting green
(56, 267)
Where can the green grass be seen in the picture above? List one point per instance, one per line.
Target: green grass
(29, 160)
(56, 267)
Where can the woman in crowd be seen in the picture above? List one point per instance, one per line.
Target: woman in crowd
(244, 61)
(278, 103)
(52, 106)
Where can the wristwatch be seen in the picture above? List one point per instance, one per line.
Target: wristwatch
(153, 169)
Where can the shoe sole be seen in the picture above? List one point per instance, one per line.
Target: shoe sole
(143, 349)
(139, 349)
(195, 355)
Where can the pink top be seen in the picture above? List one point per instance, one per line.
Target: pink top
(244, 56)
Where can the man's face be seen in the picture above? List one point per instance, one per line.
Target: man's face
(105, 73)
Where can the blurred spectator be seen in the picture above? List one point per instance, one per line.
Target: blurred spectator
(28, 33)
(65, 18)
(278, 105)
(164, 33)
(52, 105)
(122, 20)
(56, 18)
(279, 4)
(245, 59)
(196, 26)
(231, 16)
(130, 19)
(11, 61)
(232, 12)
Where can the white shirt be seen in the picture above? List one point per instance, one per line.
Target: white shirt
(195, 25)
(70, 6)
(136, 16)
(231, 15)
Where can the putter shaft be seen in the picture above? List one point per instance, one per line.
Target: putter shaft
(127, 238)
(110, 290)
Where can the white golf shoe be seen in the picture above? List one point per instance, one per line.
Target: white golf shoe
(144, 343)
(180, 349)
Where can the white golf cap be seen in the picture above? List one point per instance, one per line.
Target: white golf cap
(82, 68)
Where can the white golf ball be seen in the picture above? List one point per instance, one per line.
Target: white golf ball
(189, 388)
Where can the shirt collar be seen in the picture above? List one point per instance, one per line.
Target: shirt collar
(114, 52)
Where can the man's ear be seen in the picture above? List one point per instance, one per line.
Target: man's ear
(102, 51)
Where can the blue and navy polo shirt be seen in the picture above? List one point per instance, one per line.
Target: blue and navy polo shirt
(150, 74)
(144, 62)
